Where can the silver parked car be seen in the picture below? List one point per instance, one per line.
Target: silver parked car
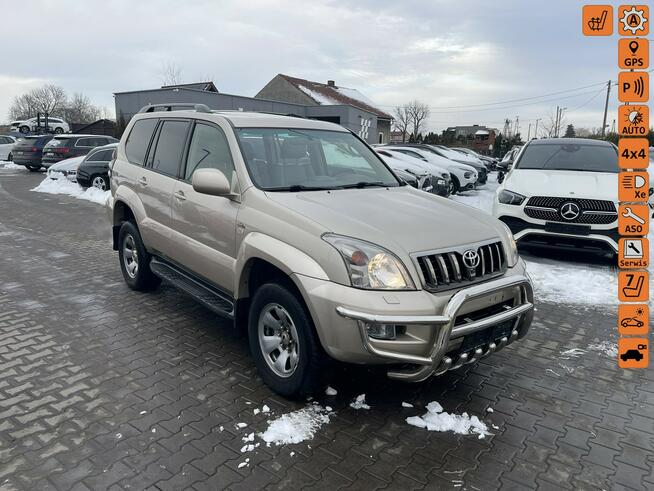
(298, 231)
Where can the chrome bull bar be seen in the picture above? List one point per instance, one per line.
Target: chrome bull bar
(437, 363)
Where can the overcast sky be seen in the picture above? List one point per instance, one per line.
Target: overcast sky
(445, 53)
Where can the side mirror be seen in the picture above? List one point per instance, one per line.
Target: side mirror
(211, 181)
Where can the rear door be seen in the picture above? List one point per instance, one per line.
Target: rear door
(204, 227)
(156, 182)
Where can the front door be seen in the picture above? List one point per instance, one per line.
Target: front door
(204, 227)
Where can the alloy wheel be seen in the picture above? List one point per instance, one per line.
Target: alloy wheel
(278, 340)
(99, 182)
(130, 256)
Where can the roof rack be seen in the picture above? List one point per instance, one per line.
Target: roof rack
(201, 108)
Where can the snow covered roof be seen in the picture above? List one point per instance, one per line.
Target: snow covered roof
(328, 95)
(205, 86)
(482, 132)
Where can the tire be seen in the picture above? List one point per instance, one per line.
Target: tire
(59, 130)
(456, 187)
(132, 251)
(33, 168)
(99, 181)
(24, 129)
(283, 305)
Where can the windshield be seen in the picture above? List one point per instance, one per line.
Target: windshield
(299, 159)
(577, 157)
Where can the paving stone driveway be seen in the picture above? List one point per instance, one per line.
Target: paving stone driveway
(101, 387)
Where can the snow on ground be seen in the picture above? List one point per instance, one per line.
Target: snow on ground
(435, 419)
(64, 186)
(556, 281)
(359, 402)
(296, 426)
(4, 164)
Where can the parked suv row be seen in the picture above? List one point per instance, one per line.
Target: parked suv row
(298, 231)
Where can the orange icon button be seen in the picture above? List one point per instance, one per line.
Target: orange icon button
(633, 53)
(633, 319)
(633, 352)
(633, 186)
(633, 153)
(633, 86)
(633, 120)
(597, 20)
(633, 20)
(633, 286)
(633, 253)
(633, 219)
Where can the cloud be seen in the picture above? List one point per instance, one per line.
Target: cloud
(392, 51)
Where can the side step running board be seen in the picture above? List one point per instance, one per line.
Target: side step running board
(208, 296)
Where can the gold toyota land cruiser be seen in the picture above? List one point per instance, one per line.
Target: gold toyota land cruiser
(296, 229)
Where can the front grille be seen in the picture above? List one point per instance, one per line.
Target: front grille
(592, 211)
(444, 270)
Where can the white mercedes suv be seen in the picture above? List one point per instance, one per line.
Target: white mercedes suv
(562, 193)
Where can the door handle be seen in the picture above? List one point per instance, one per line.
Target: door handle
(180, 196)
(143, 181)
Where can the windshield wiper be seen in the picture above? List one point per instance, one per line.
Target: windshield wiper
(364, 184)
(301, 187)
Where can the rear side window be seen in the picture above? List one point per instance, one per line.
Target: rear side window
(101, 156)
(170, 147)
(138, 140)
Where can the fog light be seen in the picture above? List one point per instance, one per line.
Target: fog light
(381, 331)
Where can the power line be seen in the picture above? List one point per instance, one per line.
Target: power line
(520, 99)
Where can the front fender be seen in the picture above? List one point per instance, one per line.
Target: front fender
(280, 254)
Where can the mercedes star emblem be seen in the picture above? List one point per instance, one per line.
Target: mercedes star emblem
(569, 210)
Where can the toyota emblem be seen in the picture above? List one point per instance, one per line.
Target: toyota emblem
(471, 259)
(569, 210)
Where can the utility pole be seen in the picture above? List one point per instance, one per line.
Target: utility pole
(556, 123)
(517, 125)
(606, 107)
(529, 132)
(536, 130)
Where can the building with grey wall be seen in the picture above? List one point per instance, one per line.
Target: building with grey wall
(359, 120)
(300, 91)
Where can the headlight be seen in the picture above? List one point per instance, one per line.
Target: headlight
(371, 267)
(467, 175)
(512, 253)
(510, 198)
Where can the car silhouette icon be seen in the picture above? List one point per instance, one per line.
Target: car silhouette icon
(631, 354)
(631, 322)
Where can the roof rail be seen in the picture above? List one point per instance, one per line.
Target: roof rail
(175, 106)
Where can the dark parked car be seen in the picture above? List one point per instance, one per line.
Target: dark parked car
(29, 150)
(67, 146)
(93, 171)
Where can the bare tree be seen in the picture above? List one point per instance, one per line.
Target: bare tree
(401, 120)
(48, 98)
(80, 110)
(552, 126)
(171, 74)
(418, 114)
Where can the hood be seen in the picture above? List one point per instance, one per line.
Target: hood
(562, 183)
(68, 164)
(400, 219)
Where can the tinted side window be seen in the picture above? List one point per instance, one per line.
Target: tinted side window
(209, 150)
(84, 142)
(138, 140)
(101, 156)
(170, 147)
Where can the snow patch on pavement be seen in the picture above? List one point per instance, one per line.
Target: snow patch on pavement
(330, 391)
(359, 402)
(68, 188)
(435, 419)
(4, 164)
(606, 347)
(296, 426)
(570, 283)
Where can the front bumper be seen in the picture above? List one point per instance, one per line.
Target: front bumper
(430, 343)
